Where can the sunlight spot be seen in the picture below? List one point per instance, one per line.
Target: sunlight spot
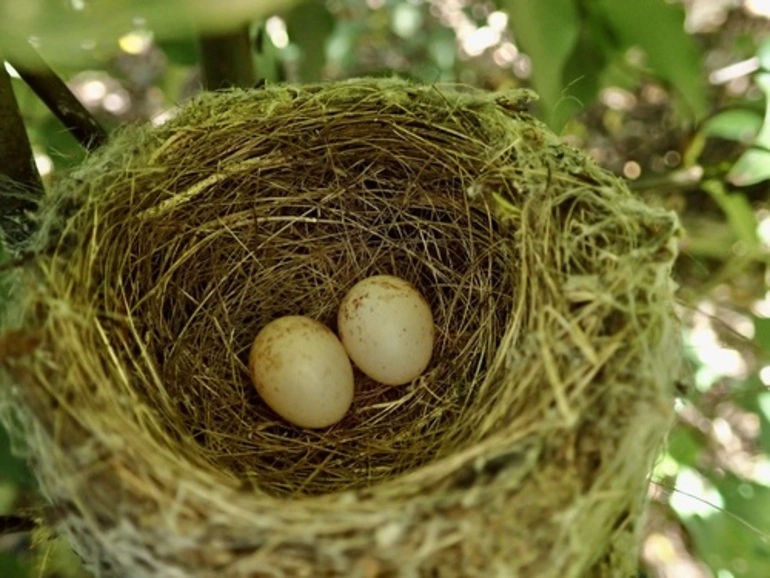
(716, 361)
(523, 66)
(163, 117)
(742, 325)
(632, 170)
(117, 102)
(761, 471)
(666, 467)
(480, 39)
(758, 8)
(659, 547)
(11, 71)
(725, 435)
(618, 98)
(407, 20)
(763, 230)
(672, 158)
(136, 42)
(695, 496)
(761, 308)
(91, 91)
(505, 54)
(722, 573)
(498, 20)
(277, 31)
(43, 163)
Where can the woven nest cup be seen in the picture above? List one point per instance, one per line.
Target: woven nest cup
(522, 451)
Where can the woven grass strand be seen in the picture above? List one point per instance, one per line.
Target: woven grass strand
(523, 450)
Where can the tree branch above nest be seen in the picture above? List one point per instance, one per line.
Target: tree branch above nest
(20, 184)
(226, 59)
(55, 94)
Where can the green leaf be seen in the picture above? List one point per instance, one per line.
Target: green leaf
(548, 32)
(763, 138)
(657, 27)
(738, 211)
(55, 557)
(310, 25)
(12, 469)
(763, 53)
(581, 76)
(341, 47)
(762, 333)
(737, 124)
(13, 566)
(180, 51)
(441, 47)
(759, 405)
(267, 57)
(735, 541)
(752, 167)
(683, 446)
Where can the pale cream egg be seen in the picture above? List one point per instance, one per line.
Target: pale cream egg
(386, 326)
(301, 370)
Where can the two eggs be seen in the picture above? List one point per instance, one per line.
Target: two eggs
(303, 371)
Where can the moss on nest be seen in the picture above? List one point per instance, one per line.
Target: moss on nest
(522, 451)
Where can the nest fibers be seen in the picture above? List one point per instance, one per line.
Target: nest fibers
(524, 449)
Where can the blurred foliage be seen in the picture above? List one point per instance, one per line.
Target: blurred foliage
(575, 44)
(672, 94)
(97, 23)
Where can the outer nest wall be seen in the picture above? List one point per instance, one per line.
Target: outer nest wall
(523, 450)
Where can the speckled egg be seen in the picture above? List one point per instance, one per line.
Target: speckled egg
(386, 326)
(301, 370)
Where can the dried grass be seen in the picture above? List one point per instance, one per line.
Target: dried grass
(522, 451)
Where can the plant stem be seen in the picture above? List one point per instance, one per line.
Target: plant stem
(226, 59)
(20, 184)
(54, 93)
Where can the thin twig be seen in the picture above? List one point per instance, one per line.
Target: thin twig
(226, 59)
(52, 90)
(20, 184)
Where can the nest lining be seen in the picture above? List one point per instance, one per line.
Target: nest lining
(555, 345)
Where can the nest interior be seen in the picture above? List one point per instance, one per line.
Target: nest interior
(161, 257)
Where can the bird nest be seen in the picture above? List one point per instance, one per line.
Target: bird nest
(523, 450)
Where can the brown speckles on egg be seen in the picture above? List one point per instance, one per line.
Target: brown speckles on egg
(301, 370)
(387, 329)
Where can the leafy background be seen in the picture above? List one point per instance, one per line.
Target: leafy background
(671, 94)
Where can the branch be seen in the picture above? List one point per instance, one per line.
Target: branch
(13, 524)
(20, 184)
(54, 93)
(226, 59)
